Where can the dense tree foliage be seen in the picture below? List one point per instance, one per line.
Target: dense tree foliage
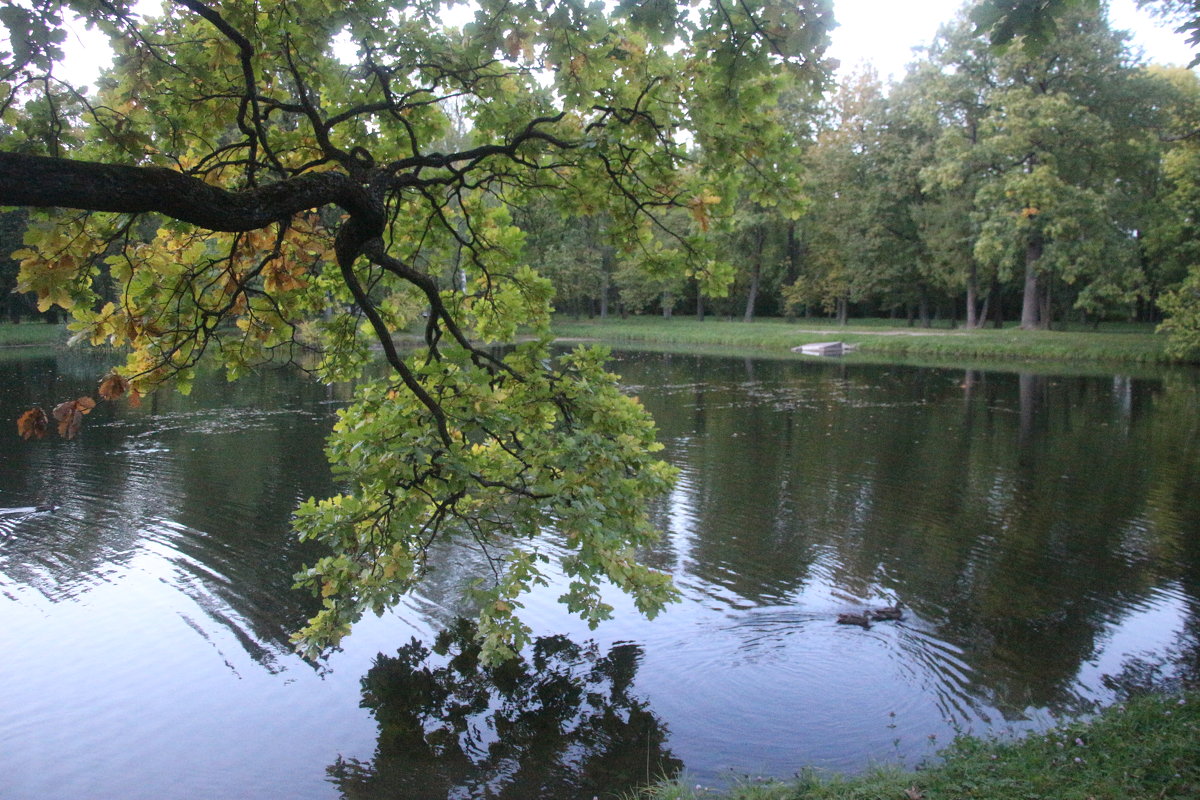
(295, 182)
(1043, 183)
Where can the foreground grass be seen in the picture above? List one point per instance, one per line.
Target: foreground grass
(1146, 748)
(874, 338)
(31, 333)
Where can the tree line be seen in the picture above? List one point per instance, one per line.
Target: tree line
(986, 186)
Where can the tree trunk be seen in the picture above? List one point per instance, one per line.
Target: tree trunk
(793, 253)
(1045, 315)
(699, 304)
(973, 298)
(923, 306)
(843, 310)
(1030, 294)
(604, 288)
(997, 306)
(755, 275)
(751, 297)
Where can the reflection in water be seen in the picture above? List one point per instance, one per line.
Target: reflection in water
(1022, 516)
(560, 723)
(195, 492)
(1043, 530)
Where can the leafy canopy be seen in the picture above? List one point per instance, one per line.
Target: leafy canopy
(296, 182)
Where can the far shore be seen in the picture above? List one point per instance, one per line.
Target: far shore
(1112, 343)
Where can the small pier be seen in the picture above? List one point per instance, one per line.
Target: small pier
(824, 349)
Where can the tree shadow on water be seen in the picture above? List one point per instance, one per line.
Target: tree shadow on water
(558, 722)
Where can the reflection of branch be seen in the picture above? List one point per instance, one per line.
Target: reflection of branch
(557, 721)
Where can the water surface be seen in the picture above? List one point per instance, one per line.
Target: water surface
(1041, 530)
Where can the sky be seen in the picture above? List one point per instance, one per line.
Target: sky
(881, 32)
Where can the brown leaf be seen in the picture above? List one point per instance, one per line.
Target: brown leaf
(112, 387)
(70, 415)
(913, 793)
(135, 398)
(32, 424)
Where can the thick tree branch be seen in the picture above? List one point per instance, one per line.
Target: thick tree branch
(41, 182)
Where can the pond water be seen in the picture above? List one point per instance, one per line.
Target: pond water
(1042, 531)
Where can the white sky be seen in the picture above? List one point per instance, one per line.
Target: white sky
(882, 32)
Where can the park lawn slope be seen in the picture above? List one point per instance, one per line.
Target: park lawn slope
(1146, 748)
(31, 333)
(874, 339)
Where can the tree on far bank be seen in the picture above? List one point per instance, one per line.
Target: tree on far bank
(1060, 141)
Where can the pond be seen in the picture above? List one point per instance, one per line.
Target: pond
(1042, 532)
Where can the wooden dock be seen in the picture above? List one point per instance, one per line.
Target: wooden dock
(824, 349)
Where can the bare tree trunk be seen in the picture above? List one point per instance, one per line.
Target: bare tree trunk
(604, 287)
(1045, 315)
(973, 298)
(755, 275)
(751, 297)
(997, 306)
(793, 253)
(1029, 296)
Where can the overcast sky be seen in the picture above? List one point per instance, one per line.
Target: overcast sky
(882, 32)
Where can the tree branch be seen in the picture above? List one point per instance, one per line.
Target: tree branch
(41, 182)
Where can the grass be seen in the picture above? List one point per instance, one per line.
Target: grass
(1118, 343)
(1148, 747)
(31, 333)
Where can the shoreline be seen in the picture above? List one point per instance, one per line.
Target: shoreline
(1131, 345)
(1148, 746)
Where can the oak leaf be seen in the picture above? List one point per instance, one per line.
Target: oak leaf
(70, 415)
(112, 387)
(32, 424)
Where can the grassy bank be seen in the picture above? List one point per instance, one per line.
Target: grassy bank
(874, 338)
(31, 333)
(1146, 748)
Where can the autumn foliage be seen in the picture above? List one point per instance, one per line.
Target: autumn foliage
(69, 414)
(32, 424)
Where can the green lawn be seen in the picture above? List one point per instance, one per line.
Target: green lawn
(1146, 748)
(31, 333)
(883, 338)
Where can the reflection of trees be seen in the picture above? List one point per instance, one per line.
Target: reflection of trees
(196, 489)
(1020, 513)
(1176, 669)
(558, 723)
